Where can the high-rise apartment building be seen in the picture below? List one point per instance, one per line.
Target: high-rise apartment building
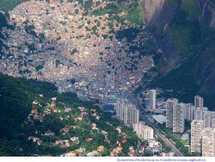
(133, 115)
(208, 142)
(178, 118)
(189, 112)
(170, 104)
(207, 119)
(150, 99)
(127, 112)
(199, 108)
(198, 102)
(212, 114)
(196, 129)
(143, 131)
(198, 114)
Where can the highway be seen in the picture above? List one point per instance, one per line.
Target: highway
(147, 119)
(160, 135)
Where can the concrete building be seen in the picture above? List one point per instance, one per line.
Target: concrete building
(199, 102)
(196, 129)
(207, 119)
(133, 115)
(189, 112)
(178, 118)
(150, 100)
(170, 104)
(212, 113)
(212, 122)
(161, 119)
(143, 131)
(198, 113)
(127, 112)
(208, 142)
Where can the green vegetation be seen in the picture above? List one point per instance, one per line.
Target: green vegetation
(180, 81)
(165, 148)
(7, 5)
(185, 32)
(192, 40)
(16, 96)
(135, 14)
(191, 7)
(180, 144)
(132, 12)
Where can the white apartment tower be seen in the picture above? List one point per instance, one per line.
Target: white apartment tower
(152, 98)
(198, 113)
(199, 102)
(199, 105)
(208, 142)
(127, 112)
(133, 115)
(207, 119)
(178, 118)
(212, 113)
(189, 112)
(196, 129)
(143, 131)
(170, 104)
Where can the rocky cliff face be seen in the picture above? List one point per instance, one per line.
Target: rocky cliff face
(158, 13)
(185, 33)
(208, 12)
(152, 9)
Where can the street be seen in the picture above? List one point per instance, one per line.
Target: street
(167, 142)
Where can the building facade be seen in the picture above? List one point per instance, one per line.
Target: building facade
(196, 129)
(199, 102)
(170, 104)
(178, 118)
(143, 131)
(208, 142)
(150, 99)
(127, 112)
(189, 112)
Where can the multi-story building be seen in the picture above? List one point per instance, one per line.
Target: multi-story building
(150, 100)
(170, 104)
(121, 109)
(212, 114)
(198, 113)
(133, 115)
(208, 142)
(207, 119)
(178, 118)
(189, 112)
(127, 112)
(196, 129)
(199, 102)
(143, 131)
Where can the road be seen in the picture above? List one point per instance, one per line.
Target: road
(167, 142)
